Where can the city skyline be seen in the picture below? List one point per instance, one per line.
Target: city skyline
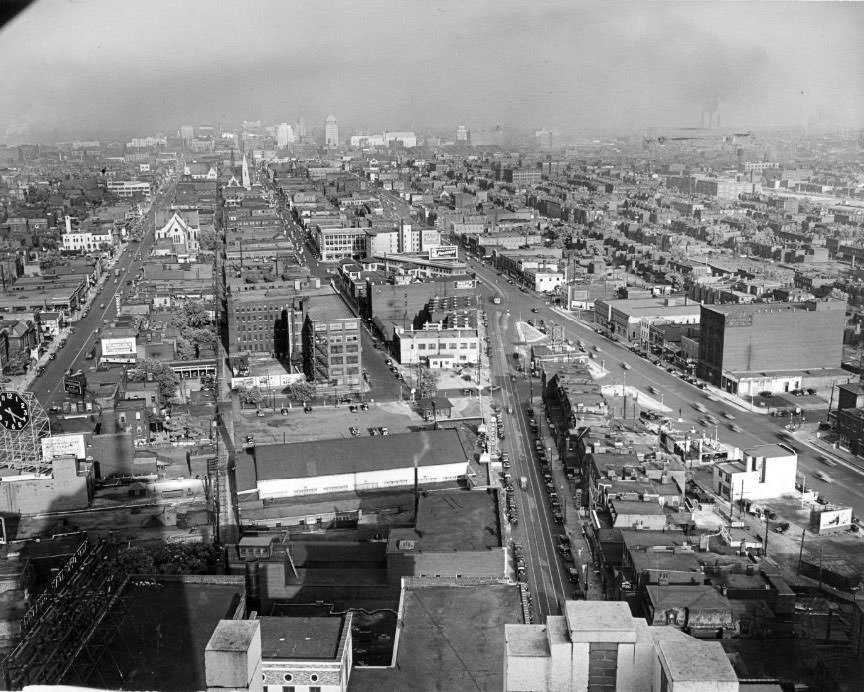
(85, 68)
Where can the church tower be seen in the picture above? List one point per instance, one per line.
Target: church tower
(246, 182)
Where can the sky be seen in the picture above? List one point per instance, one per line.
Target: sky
(84, 67)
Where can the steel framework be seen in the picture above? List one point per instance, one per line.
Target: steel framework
(78, 616)
(22, 449)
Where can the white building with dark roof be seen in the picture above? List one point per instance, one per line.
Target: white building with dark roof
(340, 465)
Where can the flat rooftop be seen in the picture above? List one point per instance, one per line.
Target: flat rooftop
(329, 307)
(697, 661)
(459, 520)
(452, 638)
(300, 638)
(168, 625)
(357, 455)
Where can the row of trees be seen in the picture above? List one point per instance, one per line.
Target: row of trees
(299, 392)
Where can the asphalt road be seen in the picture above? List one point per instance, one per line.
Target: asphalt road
(48, 387)
(846, 489)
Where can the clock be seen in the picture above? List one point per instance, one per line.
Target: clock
(14, 411)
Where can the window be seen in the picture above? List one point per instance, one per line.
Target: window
(288, 677)
(314, 678)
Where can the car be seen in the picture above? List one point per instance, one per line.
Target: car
(52, 356)
(101, 306)
(259, 414)
(735, 428)
(728, 416)
(626, 366)
(822, 476)
(782, 527)
(533, 309)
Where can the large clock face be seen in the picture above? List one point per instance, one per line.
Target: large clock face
(14, 412)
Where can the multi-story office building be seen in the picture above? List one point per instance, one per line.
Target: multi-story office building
(331, 346)
(331, 132)
(284, 135)
(769, 345)
(270, 322)
(340, 243)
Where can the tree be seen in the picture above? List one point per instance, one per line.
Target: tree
(250, 396)
(164, 376)
(185, 349)
(300, 391)
(428, 383)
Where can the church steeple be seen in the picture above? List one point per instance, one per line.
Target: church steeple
(247, 183)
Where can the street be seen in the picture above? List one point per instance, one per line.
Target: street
(547, 573)
(48, 387)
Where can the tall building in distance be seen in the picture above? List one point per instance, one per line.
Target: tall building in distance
(301, 128)
(284, 135)
(331, 131)
(462, 134)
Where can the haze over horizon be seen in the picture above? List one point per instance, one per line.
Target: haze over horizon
(78, 69)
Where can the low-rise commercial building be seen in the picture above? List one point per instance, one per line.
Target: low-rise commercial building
(336, 466)
(765, 472)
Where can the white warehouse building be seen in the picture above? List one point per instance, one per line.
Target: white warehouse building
(349, 465)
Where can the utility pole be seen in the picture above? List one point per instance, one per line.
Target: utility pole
(800, 552)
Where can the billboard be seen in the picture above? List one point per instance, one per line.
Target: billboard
(75, 384)
(267, 381)
(119, 346)
(838, 518)
(443, 252)
(58, 445)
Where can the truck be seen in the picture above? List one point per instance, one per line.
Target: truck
(496, 300)
(116, 273)
(523, 482)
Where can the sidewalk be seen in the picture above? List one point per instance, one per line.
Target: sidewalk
(830, 448)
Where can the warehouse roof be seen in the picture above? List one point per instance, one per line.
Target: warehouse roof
(359, 455)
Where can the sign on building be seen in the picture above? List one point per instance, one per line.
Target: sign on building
(119, 346)
(443, 252)
(59, 445)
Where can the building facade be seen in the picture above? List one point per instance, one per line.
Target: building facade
(331, 346)
(769, 338)
(437, 348)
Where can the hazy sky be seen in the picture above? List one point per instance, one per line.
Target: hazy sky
(78, 67)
